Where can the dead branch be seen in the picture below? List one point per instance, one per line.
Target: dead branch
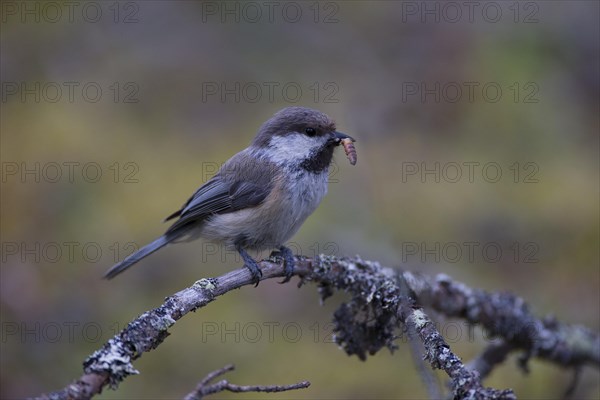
(492, 355)
(383, 300)
(206, 388)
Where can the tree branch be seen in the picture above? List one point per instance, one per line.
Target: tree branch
(204, 388)
(427, 375)
(507, 316)
(466, 384)
(492, 355)
(383, 299)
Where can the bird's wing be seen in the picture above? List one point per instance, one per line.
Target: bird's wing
(236, 186)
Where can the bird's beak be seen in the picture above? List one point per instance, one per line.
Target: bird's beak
(338, 136)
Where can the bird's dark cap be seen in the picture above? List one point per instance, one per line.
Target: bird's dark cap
(293, 119)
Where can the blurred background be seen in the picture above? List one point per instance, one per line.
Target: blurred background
(477, 139)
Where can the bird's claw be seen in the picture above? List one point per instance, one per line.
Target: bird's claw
(254, 271)
(288, 262)
(252, 266)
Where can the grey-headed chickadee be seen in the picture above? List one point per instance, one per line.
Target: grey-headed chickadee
(261, 196)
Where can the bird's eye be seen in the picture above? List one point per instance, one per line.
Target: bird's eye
(310, 131)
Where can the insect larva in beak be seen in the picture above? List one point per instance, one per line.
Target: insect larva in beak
(350, 150)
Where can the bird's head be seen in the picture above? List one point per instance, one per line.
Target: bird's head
(299, 137)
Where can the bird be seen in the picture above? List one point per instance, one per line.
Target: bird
(261, 196)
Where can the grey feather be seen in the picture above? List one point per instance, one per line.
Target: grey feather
(138, 255)
(241, 183)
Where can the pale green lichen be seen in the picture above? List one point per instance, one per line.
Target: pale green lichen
(324, 263)
(419, 318)
(204, 284)
(162, 324)
(112, 359)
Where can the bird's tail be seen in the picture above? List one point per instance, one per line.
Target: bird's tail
(138, 255)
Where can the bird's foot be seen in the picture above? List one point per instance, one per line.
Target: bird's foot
(255, 271)
(288, 262)
(252, 266)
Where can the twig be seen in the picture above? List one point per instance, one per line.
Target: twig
(492, 355)
(214, 374)
(570, 391)
(508, 317)
(204, 388)
(427, 375)
(363, 325)
(465, 384)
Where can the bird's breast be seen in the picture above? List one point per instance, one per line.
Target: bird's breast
(276, 219)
